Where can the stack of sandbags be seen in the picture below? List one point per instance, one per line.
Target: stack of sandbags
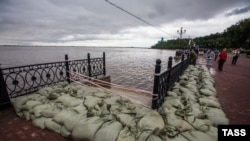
(89, 113)
(192, 110)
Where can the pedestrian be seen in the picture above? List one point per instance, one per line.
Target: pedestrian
(222, 59)
(210, 57)
(235, 57)
(193, 57)
(216, 53)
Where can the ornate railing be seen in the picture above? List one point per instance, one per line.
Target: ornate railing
(17, 81)
(164, 81)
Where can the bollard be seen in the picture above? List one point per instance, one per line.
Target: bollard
(67, 67)
(156, 84)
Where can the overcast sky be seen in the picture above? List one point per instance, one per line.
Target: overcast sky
(99, 23)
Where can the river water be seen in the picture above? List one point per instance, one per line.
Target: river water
(133, 67)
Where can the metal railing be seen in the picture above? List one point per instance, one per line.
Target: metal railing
(17, 81)
(164, 81)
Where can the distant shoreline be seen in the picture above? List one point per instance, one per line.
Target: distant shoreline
(70, 46)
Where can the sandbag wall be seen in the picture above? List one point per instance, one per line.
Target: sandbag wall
(190, 112)
(192, 109)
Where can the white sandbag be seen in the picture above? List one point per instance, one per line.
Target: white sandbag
(26, 115)
(69, 101)
(53, 96)
(210, 102)
(101, 94)
(91, 101)
(71, 122)
(40, 122)
(207, 92)
(173, 102)
(171, 93)
(45, 91)
(142, 111)
(108, 132)
(51, 125)
(126, 135)
(200, 124)
(87, 130)
(126, 120)
(29, 105)
(177, 122)
(38, 109)
(62, 116)
(50, 112)
(217, 116)
(194, 135)
(80, 109)
(112, 100)
(178, 137)
(18, 102)
(64, 132)
(152, 137)
(213, 132)
(151, 121)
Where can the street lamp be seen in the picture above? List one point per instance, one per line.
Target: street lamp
(181, 31)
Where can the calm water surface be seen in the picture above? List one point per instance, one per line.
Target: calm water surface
(127, 66)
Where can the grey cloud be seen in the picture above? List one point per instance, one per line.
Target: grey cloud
(51, 20)
(239, 11)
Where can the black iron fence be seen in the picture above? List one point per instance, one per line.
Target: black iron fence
(17, 81)
(164, 81)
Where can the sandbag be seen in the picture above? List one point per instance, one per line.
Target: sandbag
(126, 135)
(40, 122)
(87, 130)
(177, 122)
(108, 132)
(126, 120)
(51, 125)
(197, 136)
(29, 105)
(151, 121)
(91, 101)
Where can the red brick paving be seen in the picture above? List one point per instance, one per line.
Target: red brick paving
(13, 128)
(233, 89)
(232, 85)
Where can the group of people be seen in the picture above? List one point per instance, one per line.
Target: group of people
(212, 56)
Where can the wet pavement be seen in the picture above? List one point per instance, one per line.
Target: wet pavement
(233, 91)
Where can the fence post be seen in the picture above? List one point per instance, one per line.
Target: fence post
(182, 59)
(156, 84)
(4, 98)
(89, 66)
(104, 64)
(170, 60)
(67, 67)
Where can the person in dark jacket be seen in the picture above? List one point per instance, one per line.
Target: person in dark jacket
(193, 57)
(222, 59)
(235, 57)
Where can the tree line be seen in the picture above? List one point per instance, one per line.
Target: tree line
(235, 36)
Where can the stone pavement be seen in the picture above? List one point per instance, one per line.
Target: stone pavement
(233, 88)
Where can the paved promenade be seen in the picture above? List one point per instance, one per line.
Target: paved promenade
(233, 88)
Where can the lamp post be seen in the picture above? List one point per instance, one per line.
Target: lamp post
(181, 31)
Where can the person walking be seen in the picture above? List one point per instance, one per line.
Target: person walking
(210, 57)
(216, 54)
(222, 59)
(235, 57)
(193, 57)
